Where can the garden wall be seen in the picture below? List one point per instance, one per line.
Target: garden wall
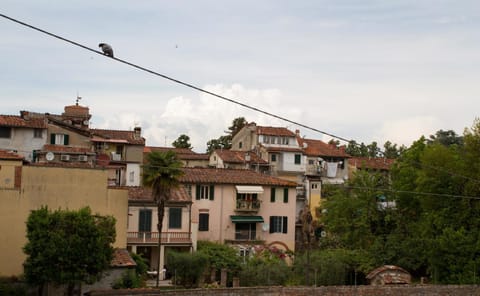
(423, 290)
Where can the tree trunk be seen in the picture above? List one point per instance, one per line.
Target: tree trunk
(160, 215)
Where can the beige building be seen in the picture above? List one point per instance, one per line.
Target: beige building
(188, 157)
(24, 188)
(241, 207)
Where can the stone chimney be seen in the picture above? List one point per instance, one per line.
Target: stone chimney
(137, 132)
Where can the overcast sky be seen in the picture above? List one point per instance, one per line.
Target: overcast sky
(363, 70)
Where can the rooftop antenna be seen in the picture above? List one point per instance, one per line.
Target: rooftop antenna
(78, 98)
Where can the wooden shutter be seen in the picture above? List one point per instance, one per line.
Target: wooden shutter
(197, 192)
(285, 195)
(65, 139)
(272, 224)
(212, 192)
(52, 139)
(272, 194)
(284, 224)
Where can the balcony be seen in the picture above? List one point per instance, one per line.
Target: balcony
(248, 205)
(150, 238)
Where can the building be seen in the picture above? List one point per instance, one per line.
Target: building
(142, 233)
(24, 188)
(221, 158)
(188, 157)
(241, 207)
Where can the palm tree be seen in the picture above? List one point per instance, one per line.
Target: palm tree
(161, 172)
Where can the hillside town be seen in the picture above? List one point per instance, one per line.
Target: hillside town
(252, 194)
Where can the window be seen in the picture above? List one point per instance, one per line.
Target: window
(311, 162)
(278, 224)
(131, 176)
(248, 201)
(298, 158)
(175, 218)
(59, 139)
(203, 222)
(145, 222)
(240, 145)
(5, 132)
(285, 141)
(273, 157)
(37, 133)
(204, 192)
(273, 194)
(266, 139)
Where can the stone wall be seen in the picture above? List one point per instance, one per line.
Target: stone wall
(424, 290)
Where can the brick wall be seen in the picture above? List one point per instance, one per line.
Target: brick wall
(424, 290)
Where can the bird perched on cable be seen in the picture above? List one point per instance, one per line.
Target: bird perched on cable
(107, 49)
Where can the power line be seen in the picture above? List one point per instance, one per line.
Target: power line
(197, 88)
(179, 81)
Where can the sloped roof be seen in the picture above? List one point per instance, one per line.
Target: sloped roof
(18, 121)
(9, 155)
(67, 149)
(121, 258)
(231, 156)
(274, 131)
(313, 147)
(139, 193)
(129, 136)
(231, 176)
(182, 153)
(376, 163)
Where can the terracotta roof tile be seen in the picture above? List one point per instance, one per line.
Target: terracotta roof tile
(9, 155)
(320, 148)
(232, 156)
(65, 164)
(69, 149)
(284, 149)
(18, 121)
(182, 153)
(139, 193)
(274, 131)
(377, 163)
(230, 176)
(121, 258)
(129, 136)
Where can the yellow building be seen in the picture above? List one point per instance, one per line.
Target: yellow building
(24, 188)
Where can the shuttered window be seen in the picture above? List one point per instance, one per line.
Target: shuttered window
(175, 218)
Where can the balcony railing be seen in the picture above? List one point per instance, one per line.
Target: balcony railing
(248, 205)
(135, 237)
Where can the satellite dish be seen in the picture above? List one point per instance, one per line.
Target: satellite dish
(49, 156)
(323, 233)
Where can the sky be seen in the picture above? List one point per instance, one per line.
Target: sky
(371, 70)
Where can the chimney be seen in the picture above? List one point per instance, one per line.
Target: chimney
(137, 132)
(297, 132)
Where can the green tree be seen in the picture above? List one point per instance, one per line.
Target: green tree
(183, 141)
(67, 247)
(225, 141)
(161, 172)
(187, 267)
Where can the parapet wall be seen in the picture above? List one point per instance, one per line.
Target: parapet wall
(407, 290)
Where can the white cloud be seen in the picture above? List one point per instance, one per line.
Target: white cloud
(406, 130)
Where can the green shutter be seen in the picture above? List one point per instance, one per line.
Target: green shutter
(212, 192)
(285, 223)
(272, 194)
(285, 195)
(65, 139)
(272, 224)
(197, 192)
(52, 139)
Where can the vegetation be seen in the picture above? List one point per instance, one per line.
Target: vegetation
(225, 141)
(161, 173)
(67, 247)
(423, 217)
(133, 278)
(183, 141)
(189, 267)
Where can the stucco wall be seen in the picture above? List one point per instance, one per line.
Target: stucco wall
(24, 142)
(57, 188)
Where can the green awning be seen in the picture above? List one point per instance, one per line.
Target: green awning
(246, 219)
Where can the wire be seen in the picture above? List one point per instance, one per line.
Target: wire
(414, 192)
(179, 81)
(198, 88)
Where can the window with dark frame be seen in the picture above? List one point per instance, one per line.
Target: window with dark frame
(278, 224)
(298, 158)
(203, 219)
(38, 133)
(175, 218)
(5, 132)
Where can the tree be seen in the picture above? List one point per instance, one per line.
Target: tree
(67, 247)
(225, 141)
(183, 141)
(161, 173)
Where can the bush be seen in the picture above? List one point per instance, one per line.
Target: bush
(188, 268)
